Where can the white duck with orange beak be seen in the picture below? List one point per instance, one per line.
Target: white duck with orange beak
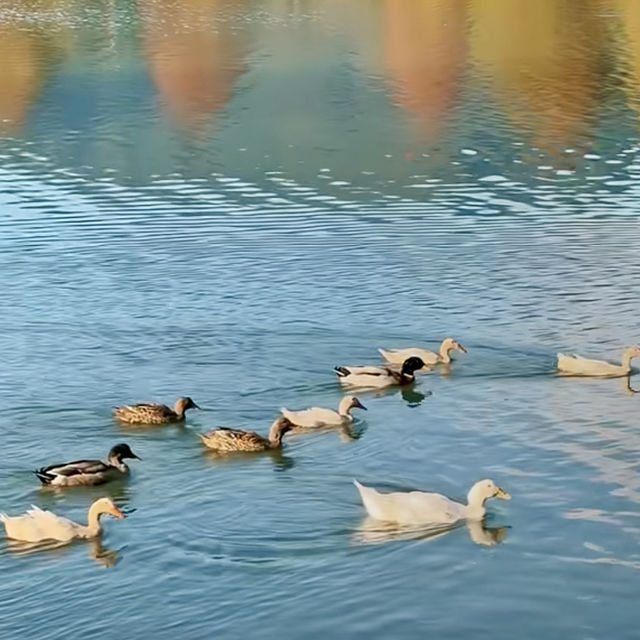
(443, 356)
(37, 525)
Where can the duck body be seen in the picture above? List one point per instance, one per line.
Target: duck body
(579, 366)
(37, 525)
(88, 472)
(417, 507)
(379, 377)
(226, 440)
(320, 417)
(150, 413)
(443, 356)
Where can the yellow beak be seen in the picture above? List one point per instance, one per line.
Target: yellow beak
(502, 494)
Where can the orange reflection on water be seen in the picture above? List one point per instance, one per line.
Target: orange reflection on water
(20, 78)
(544, 61)
(425, 51)
(194, 56)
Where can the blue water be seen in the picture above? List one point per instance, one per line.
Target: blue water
(226, 199)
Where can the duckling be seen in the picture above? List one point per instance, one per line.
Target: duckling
(154, 413)
(397, 356)
(88, 472)
(378, 377)
(226, 440)
(37, 525)
(319, 417)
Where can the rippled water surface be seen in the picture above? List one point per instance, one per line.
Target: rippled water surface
(224, 199)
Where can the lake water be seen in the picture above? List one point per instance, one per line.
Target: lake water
(225, 199)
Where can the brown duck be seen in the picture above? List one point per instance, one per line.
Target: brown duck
(226, 440)
(154, 413)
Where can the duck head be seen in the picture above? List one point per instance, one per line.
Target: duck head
(411, 365)
(483, 490)
(279, 427)
(183, 404)
(105, 506)
(449, 344)
(122, 451)
(350, 402)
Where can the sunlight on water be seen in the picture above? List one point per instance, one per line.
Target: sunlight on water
(225, 200)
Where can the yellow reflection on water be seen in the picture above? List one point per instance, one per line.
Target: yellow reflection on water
(544, 62)
(629, 15)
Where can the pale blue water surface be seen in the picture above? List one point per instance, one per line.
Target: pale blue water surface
(226, 199)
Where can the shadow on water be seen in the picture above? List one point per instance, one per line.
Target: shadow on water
(373, 531)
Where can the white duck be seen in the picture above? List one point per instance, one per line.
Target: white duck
(37, 525)
(379, 377)
(417, 507)
(319, 417)
(398, 356)
(579, 366)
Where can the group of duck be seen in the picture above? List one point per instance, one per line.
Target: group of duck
(402, 508)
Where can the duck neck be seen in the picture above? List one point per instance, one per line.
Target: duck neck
(344, 409)
(275, 434)
(445, 349)
(117, 462)
(475, 504)
(94, 527)
(627, 355)
(179, 409)
(407, 374)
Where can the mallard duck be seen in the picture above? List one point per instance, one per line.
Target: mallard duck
(227, 440)
(397, 356)
(578, 366)
(88, 472)
(417, 507)
(378, 377)
(36, 525)
(154, 413)
(318, 417)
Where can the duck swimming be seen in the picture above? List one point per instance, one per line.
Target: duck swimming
(397, 356)
(37, 525)
(154, 413)
(379, 377)
(579, 366)
(417, 507)
(318, 417)
(88, 472)
(226, 440)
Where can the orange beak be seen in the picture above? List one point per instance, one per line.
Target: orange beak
(116, 513)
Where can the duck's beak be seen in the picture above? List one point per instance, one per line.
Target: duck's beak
(502, 494)
(195, 406)
(116, 513)
(357, 403)
(460, 348)
(133, 455)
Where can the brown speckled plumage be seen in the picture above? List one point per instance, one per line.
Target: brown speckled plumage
(154, 413)
(228, 440)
